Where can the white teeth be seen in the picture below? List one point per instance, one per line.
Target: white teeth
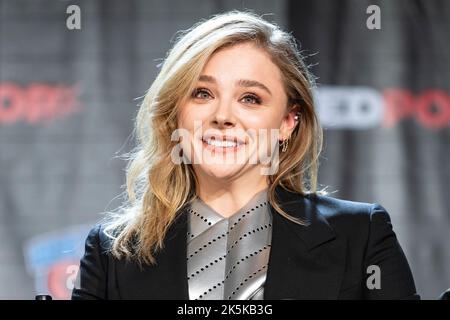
(221, 144)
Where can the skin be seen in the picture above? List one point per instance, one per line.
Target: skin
(226, 106)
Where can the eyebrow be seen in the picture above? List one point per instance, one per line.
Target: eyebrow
(246, 83)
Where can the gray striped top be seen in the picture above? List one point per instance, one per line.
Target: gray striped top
(227, 257)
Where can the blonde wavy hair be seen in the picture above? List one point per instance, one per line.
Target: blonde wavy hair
(158, 189)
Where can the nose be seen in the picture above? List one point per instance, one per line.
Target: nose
(223, 117)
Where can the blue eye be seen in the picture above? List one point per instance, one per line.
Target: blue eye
(252, 99)
(201, 94)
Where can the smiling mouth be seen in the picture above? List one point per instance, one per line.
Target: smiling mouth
(228, 144)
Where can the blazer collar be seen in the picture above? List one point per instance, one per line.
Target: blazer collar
(305, 208)
(311, 268)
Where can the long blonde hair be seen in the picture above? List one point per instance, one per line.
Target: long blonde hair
(156, 188)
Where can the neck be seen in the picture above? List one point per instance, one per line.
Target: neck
(227, 197)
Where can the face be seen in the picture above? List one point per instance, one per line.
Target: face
(239, 101)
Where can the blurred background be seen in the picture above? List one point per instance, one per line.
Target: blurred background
(70, 89)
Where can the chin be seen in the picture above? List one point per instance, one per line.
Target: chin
(221, 171)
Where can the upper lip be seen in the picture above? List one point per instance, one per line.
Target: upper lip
(222, 138)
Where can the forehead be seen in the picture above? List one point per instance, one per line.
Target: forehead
(244, 60)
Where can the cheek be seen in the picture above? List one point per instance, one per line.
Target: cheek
(186, 117)
(263, 120)
(191, 120)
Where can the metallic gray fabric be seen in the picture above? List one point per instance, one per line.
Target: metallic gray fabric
(227, 257)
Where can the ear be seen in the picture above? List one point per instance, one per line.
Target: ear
(290, 121)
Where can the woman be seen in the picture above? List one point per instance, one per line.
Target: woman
(216, 209)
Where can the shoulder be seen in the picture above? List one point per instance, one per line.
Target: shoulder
(98, 240)
(93, 273)
(349, 216)
(339, 209)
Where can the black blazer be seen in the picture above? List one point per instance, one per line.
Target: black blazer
(326, 260)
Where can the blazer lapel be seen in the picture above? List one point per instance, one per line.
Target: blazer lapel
(165, 280)
(306, 262)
